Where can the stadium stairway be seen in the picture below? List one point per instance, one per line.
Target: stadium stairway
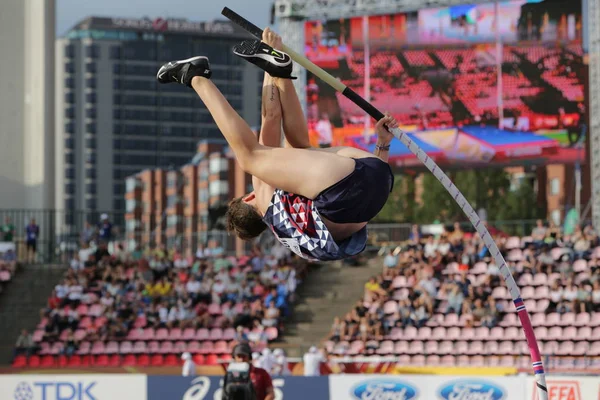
(21, 301)
(330, 291)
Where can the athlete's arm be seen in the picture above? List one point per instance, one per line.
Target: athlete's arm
(384, 136)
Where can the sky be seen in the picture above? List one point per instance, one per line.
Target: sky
(69, 12)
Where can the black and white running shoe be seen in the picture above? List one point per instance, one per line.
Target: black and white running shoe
(183, 71)
(276, 63)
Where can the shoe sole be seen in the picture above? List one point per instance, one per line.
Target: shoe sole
(249, 49)
(171, 64)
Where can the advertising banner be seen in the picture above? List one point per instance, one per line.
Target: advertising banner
(73, 387)
(210, 388)
(420, 387)
(567, 388)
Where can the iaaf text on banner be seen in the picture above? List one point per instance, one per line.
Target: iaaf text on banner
(210, 388)
(73, 387)
(567, 388)
(421, 387)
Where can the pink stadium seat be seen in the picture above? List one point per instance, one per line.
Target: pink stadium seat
(515, 255)
(432, 361)
(506, 347)
(271, 333)
(153, 347)
(567, 319)
(461, 347)
(97, 348)
(216, 334)
(450, 320)
(477, 361)
(453, 333)
(399, 282)
(82, 309)
(448, 361)
(580, 265)
(390, 307)
(581, 349)
(418, 360)
(202, 334)
(540, 280)
(188, 334)
(431, 347)
(446, 347)
(595, 334)
(416, 347)
(214, 309)
(551, 347)
(513, 242)
(386, 347)
(161, 334)
(96, 310)
(38, 335)
(207, 348)
(595, 351)
(467, 333)
(463, 361)
(552, 319)
(424, 333)
(140, 322)
(396, 334)
(410, 333)
(555, 333)
(479, 268)
(438, 333)
(512, 333)
(193, 347)
(566, 348)
(541, 333)
(139, 347)
(542, 305)
(229, 334)
(401, 347)
(404, 360)
(525, 279)
(112, 347)
(507, 361)
(175, 334)
(481, 333)
(528, 292)
(475, 348)
(584, 333)
(166, 347)
(126, 347)
(149, 334)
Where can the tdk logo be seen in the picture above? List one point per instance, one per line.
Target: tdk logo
(54, 391)
(384, 389)
(471, 390)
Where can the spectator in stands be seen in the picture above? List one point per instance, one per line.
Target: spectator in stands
(325, 131)
(336, 331)
(372, 290)
(189, 367)
(261, 381)
(7, 230)
(71, 344)
(32, 232)
(88, 234)
(105, 229)
(312, 362)
(390, 260)
(25, 344)
(538, 234)
(8, 260)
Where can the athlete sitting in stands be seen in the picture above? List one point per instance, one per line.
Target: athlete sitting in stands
(316, 201)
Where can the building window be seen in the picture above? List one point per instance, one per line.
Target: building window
(555, 216)
(116, 69)
(70, 127)
(69, 83)
(69, 189)
(217, 188)
(70, 97)
(117, 204)
(70, 112)
(69, 205)
(555, 186)
(90, 158)
(90, 67)
(90, 83)
(90, 173)
(116, 84)
(90, 143)
(90, 113)
(69, 51)
(70, 68)
(118, 189)
(90, 188)
(90, 204)
(115, 52)
(90, 128)
(92, 51)
(90, 98)
(69, 143)
(70, 173)
(70, 217)
(116, 113)
(130, 205)
(69, 158)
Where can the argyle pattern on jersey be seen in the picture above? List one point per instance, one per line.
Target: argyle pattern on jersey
(298, 226)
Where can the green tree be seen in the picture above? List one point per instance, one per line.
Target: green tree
(482, 189)
(401, 202)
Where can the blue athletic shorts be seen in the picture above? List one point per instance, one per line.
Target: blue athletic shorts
(360, 196)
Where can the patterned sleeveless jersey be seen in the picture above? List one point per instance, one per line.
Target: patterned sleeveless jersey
(296, 223)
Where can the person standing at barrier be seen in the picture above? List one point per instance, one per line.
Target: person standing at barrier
(189, 366)
(259, 385)
(312, 362)
(32, 232)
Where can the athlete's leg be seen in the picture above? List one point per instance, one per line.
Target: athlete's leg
(271, 115)
(294, 122)
(299, 171)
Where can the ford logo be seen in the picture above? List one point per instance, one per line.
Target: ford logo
(384, 389)
(471, 390)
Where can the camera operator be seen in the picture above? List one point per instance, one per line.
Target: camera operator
(257, 386)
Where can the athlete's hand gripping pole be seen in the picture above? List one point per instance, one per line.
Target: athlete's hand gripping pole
(538, 368)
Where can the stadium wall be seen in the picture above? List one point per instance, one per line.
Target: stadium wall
(339, 387)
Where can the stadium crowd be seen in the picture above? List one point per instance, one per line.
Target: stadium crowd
(444, 296)
(164, 303)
